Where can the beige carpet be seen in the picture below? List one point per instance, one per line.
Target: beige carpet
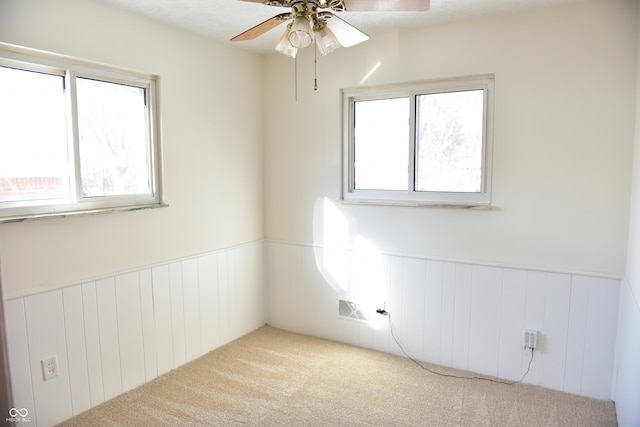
(273, 378)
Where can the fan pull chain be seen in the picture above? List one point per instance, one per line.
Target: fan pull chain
(315, 67)
(295, 79)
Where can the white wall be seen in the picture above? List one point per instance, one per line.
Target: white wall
(551, 253)
(212, 145)
(564, 120)
(627, 391)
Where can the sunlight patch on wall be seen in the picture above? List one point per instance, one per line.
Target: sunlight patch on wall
(368, 279)
(349, 262)
(370, 73)
(334, 264)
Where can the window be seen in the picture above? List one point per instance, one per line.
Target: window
(75, 136)
(425, 143)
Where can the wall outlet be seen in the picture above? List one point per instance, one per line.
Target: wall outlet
(50, 367)
(530, 339)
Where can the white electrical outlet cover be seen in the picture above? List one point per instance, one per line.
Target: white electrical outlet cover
(530, 338)
(50, 367)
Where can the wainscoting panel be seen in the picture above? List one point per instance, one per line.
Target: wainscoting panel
(18, 347)
(130, 337)
(193, 338)
(76, 345)
(108, 334)
(148, 330)
(115, 333)
(627, 388)
(459, 315)
(484, 336)
(433, 310)
(556, 313)
(575, 340)
(92, 342)
(46, 337)
(600, 338)
(207, 280)
(162, 311)
(177, 314)
(514, 294)
(223, 298)
(443, 349)
(462, 317)
(411, 319)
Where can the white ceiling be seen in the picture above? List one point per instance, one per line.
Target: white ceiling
(224, 19)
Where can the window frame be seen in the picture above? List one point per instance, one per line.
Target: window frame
(410, 197)
(70, 69)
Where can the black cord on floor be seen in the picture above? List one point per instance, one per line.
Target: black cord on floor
(395, 338)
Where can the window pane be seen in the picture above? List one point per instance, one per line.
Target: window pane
(381, 144)
(33, 136)
(449, 141)
(113, 140)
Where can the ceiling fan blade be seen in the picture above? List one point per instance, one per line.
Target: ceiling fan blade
(280, 3)
(386, 5)
(347, 34)
(262, 28)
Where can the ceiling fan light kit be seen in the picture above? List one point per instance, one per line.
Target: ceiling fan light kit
(284, 46)
(326, 40)
(330, 32)
(300, 33)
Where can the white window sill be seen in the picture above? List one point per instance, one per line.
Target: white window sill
(27, 217)
(419, 204)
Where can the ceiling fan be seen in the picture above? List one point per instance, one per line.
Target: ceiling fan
(314, 19)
